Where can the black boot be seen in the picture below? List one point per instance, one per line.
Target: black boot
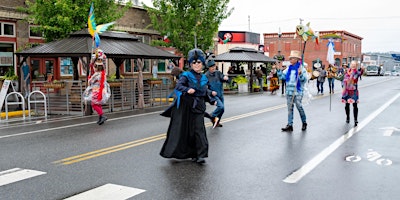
(102, 120)
(98, 121)
(355, 113)
(347, 108)
(288, 128)
(304, 127)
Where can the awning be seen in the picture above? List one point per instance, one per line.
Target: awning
(114, 44)
(239, 54)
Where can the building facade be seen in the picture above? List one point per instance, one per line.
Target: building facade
(347, 47)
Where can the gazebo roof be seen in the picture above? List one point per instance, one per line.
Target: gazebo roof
(114, 44)
(239, 54)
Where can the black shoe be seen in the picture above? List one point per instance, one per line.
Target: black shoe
(98, 121)
(288, 128)
(347, 120)
(102, 120)
(201, 160)
(219, 125)
(355, 123)
(304, 127)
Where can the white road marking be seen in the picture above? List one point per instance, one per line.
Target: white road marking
(106, 192)
(17, 174)
(297, 175)
(389, 131)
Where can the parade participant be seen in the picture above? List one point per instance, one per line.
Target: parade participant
(321, 79)
(273, 80)
(283, 82)
(98, 91)
(26, 71)
(350, 93)
(331, 81)
(186, 135)
(216, 79)
(296, 77)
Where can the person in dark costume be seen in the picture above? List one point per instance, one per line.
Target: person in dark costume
(186, 135)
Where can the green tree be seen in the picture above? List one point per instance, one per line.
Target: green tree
(58, 18)
(188, 23)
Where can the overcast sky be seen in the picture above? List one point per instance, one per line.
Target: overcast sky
(377, 22)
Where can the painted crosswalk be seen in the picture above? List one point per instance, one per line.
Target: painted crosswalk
(106, 192)
(17, 174)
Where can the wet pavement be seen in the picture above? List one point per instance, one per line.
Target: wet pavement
(249, 157)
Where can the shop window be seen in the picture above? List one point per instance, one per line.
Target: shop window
(66, 67)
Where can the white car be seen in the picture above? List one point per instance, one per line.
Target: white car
(395, 73)
(387, 73)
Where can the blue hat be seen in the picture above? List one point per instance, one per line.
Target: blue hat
(196, 54)
(210, 63)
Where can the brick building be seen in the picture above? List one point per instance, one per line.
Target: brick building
(347, 47)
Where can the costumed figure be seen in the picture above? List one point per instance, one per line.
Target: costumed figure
(273, 80)
(186, 135)
(306, 33)
(296, 78)
(98, 92)
(216, 80)
(350, 93)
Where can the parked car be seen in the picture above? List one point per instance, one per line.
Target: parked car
(387, 73)
(395, 73)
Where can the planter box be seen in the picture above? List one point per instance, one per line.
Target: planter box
(243, 87)
(115, 84)
(54, 85)
(152, 82)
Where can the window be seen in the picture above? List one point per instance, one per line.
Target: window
(128, 65)
(7, 29)
(34, 33)
(66, 67)
(161, 65)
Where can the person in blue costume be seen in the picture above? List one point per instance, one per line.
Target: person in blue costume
(186, 135)
(216, 79)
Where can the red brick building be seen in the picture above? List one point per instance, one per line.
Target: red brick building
(347, 47)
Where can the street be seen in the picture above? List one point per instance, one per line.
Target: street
(249, 157)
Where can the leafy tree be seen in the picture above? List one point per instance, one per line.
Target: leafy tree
(187, 21)
(58, 18)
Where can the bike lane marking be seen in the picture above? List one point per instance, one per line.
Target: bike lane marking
(298, 174)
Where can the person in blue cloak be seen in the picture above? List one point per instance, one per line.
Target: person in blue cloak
(186, 135)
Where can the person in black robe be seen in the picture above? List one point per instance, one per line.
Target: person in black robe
(186, 136)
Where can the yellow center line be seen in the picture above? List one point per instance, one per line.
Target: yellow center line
(92, 154)
(120, 147)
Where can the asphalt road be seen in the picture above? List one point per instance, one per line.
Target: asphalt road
(249, 157)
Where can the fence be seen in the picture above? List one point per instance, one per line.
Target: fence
(65, 98)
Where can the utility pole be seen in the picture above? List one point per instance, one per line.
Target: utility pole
(249, 22)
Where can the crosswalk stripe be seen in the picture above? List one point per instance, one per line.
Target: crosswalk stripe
(17, 174)
(106, 192)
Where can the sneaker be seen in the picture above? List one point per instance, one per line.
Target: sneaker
(215, 122)
(201, 160)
